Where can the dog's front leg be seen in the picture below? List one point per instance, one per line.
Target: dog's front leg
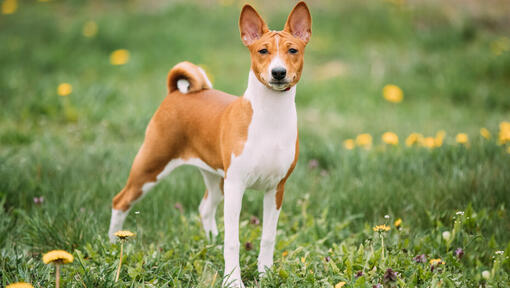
(232, 208)
(269, 223)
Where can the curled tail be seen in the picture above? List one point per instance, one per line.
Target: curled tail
(187, 77)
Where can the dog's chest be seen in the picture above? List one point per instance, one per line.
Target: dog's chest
(270, 148)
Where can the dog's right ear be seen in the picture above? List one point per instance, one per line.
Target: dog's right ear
(251, 25)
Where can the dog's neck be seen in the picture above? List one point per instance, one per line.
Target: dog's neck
(268, 100)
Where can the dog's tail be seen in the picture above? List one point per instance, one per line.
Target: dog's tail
(187, 78)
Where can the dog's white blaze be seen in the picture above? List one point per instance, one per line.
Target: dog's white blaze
(267, 156)
(183, 85)
(276, 62)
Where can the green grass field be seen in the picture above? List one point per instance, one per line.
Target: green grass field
(451, 60)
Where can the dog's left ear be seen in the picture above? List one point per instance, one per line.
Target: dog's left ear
(299, 23)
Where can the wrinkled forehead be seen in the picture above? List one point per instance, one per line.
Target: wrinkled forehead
(283, 38)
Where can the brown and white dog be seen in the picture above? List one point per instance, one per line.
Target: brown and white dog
(237, 142)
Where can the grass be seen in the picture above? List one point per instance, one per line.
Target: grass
(76, 150)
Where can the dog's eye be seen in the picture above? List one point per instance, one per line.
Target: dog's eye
(293, 51)
(263, 51)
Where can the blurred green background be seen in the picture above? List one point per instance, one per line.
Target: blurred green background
(451, 60)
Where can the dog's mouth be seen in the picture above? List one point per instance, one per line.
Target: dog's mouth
(279, 85)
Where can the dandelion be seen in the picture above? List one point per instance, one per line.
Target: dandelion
(414, 138)
(57, 257)
(285, 253)
(504, 132)
(446, 235)
(397, 223)
(390, 138)
(437, 261)
(64, 89)
(393, 93)
(462, 138)
(429, 142)
(486, 275)
(89, 29)
(381, 228)
(364, 140)
(303, 259)
(485, 133)
(119, 57)
(20, 285)
(123, 236)
(340, 284)
(349, 144)
(9, 7)
(438, 140)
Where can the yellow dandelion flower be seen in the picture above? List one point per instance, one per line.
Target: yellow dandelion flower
(349, 144)
(413, 139)
(303, 259)
(436, 261)
(398, 222)
(504, 132)
(340, 284)
(438, 141)
(364, 140)
(89, 29)
(393, 93)
(462, 138)
(20, 285)
(64, 89)
(485, 133)
(119, 57)
(9, 7)
(285, 253)
(390, 138)
(428, 142)
(380, 228)
(58, 256)
(123, 234)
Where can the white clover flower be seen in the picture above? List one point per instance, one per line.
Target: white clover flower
(446, 235)
(460, 213)
(486, 275)
(387, 216)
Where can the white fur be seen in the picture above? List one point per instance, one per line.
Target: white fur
(266, 158)
(276, 62)
(116, 222)
(209, 204)
(183, 85)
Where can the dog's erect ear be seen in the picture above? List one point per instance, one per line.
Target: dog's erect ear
(299, 23)
(251, 25)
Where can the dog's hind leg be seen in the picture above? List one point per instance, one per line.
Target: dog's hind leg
(212, 197)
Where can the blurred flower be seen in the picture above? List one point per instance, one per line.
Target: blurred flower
(340, 284)
(9, 6)
(390, 138)
(414, 138)
(460, 213)
(60, 256)
(500, 45)
(248, 246)
(327, 258)
(303, 259)
(459, 253)
(500, 252)
(364, 140)
(377, 286)
(420, 258)
(398, 222)
(386, 216)
(359, 274)
(390, 275)
(254, 220)
(64, 89)
(380, 228)
(435, 262)
(285, 253)
(313, 163)
(349, 144)
(20, 285)
(504, 132)
(446, 235)
(89, 29)
(179, 207)
(119, 57)
(485, 133)
(393, 93)
(462, 138)
(486, 275)
(438, 141)
(124, 234)
(428, 142)
(39, 200)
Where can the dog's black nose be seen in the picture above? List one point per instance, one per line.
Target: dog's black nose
(279, 73)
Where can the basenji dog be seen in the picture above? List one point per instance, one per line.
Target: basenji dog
(238, 143)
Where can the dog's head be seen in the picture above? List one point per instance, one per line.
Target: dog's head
(276, 56)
